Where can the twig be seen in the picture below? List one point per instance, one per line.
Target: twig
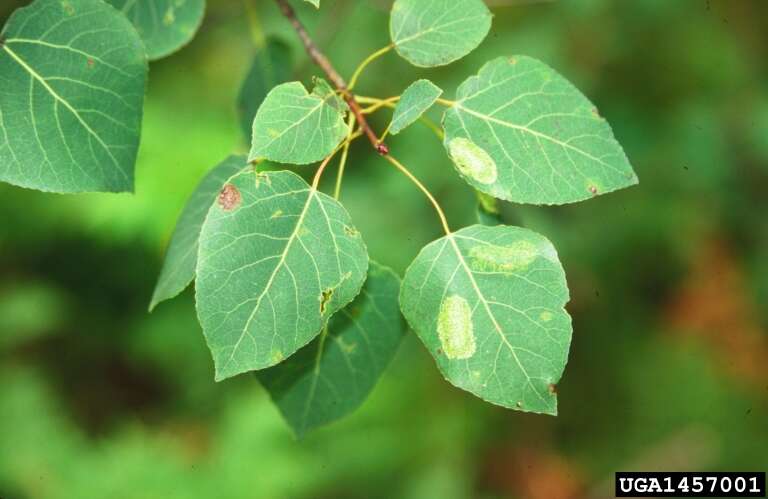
(322, 61)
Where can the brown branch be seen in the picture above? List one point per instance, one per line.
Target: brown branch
(322, 61)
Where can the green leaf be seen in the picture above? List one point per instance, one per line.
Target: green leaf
(488, 304)
(438, 32)
(181, 258)
(488, 212)
(333, 375)
(72, 78)
(521, 132)
(164, 25)
(276, 260)
(316, 3)
(271, 66)
(293, 126)
(414, 102)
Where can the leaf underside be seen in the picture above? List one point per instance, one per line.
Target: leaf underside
(164, 25)
(488, 304)
(276, 260)
(413, 103)
(72, 79)
(521, 132)
(437, 32)
(333, 375)
(294, 126)
(181, 257)
(271, 66)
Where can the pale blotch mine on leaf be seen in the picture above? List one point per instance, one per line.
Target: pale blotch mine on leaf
(472, 160)
(454, 328)
(511, 258)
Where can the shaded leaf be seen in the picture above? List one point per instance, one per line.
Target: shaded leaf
(271, 66)
(414, 102)
(488, 212)
(164, 25)
(437, 32)
(521, 132)
(181, 257)
(276, 260)
(71, 96)
(293, 126)
(333, 375)
(488, 304)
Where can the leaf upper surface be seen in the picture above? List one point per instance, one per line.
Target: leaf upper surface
(488, 304)
(333, 375)
(270, 67)
(294, 126)
(415, 101)
(164, 25)
(181, 257)
(72, 79)
(431, 33)
(521, 132)
(276, 260)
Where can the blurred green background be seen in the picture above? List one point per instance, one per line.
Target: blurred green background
(669, 364)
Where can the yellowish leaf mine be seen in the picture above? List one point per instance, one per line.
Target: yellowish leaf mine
(514, 257)
(454, 328)
(472, 160)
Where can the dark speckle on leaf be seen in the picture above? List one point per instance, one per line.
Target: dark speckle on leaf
(229, 198)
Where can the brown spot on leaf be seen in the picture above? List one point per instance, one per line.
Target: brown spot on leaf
(513, 60)
(325, 297)
(552, 388)
(593, 190)
(351, 231)
(90, 62)
(229, 198)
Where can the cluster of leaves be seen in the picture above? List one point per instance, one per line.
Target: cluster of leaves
(284, 285)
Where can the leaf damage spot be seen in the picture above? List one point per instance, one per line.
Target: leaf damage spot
(545, 316)
(68, 8)
(351, 231)
(277, 356)
(455, 329)
(169, 17)
(276, 214)
(514, 257)
(472, 160)
(90, 62)
(325, 297)
(229, 198)
(552, 388)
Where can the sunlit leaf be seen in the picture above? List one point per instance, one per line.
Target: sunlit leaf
(333, 375)
(271, 66)
(293, 126)
(72, 78)
(164, 25)
(181, 258)
(488, 304)
(276, 260)
(414, 102)
(316, 3)
(437, 32)
(521, 132)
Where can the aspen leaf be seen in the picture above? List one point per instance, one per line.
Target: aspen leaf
(437, 32)
(414, 102)
(294, 126)
(71, 97)
(521, 132)
(276, 260)
(488, 304)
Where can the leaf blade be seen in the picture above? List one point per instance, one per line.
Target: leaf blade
(544, 145)
(488, 303)
(74, 79)
(414, 102)
(294, 126)
(437, 33)
(276, 260)
(333, 375)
